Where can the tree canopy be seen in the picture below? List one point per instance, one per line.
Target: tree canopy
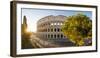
(78, 28)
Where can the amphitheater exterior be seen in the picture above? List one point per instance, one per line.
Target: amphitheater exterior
(49, 28)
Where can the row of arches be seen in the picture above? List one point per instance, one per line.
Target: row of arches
(54, 30)
(50, 30)
(50, 24)
(54, 36)
(57, 23)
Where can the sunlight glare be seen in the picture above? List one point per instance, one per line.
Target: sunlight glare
(31, 28)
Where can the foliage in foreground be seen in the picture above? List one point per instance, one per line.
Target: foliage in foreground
(78, 28)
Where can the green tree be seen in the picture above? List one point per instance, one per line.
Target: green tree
(78, 28)
(25, 35)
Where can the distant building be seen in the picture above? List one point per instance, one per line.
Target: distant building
(49, 28)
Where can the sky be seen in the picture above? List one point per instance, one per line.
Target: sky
(33, 15)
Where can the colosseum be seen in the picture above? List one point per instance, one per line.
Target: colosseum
(49, 29)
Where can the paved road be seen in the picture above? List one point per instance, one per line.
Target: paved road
(39, 43)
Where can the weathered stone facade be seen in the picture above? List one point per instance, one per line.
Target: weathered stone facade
(49, 28)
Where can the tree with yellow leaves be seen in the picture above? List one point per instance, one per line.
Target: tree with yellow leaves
(78, 28)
